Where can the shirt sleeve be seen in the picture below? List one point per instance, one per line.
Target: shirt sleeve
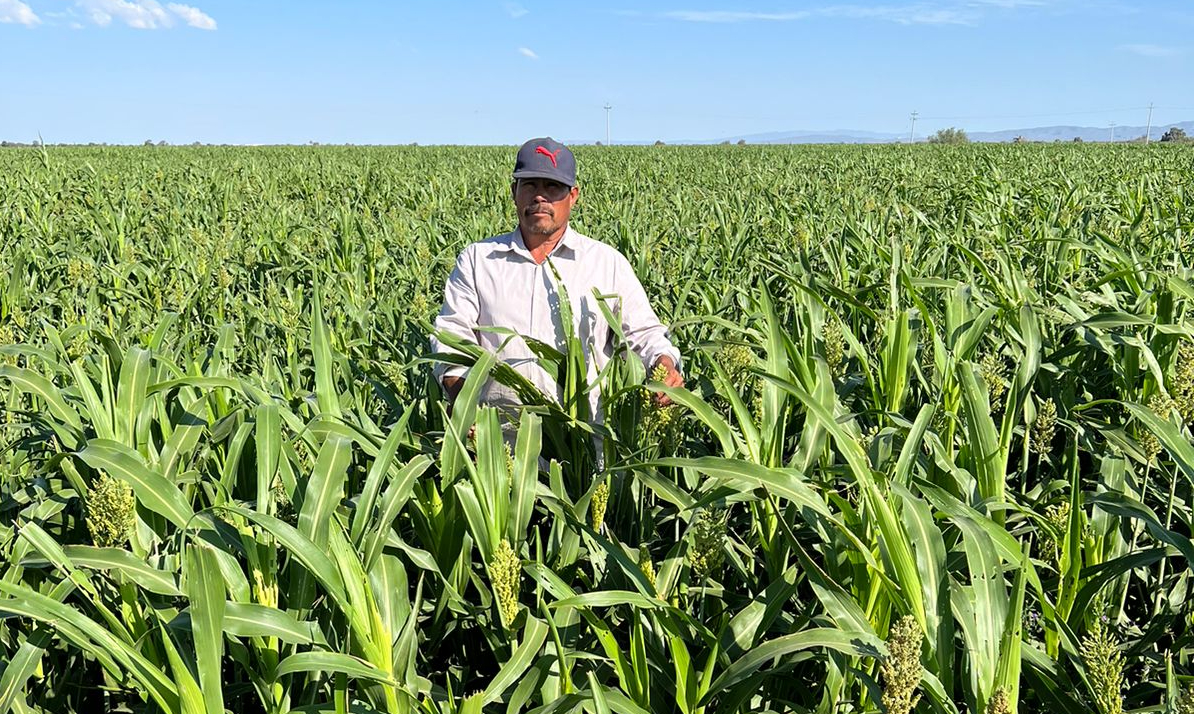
(647, 337)
(459, 312)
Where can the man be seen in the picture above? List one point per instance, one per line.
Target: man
(508, 281)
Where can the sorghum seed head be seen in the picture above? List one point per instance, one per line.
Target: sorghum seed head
(505, 574)
(658, 421)
(7, 337)
(1104, 668)
(1045, 426)
(1182, 382)
(1058, 518)
(835, 349)
(868, 437)
(1000, 702)
(994, 374)
(736, 360)
(1185, 701)
(645, 564)
(283, 506)
(80, 273)
(901, 669)
(509, 465)
(756, 407)
(1150, 445)
(708, 539)
(1161, 405)
(396, 376)
(597, 505)
(111, 511)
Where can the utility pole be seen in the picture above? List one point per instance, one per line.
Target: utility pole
(1112, 125)
(912, 133)
(1149, 128)
(607, 108)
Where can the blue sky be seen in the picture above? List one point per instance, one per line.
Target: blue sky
(240, 71)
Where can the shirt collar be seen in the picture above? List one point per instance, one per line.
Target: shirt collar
(566, 247)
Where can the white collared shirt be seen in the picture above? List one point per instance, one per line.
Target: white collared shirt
(496, 283)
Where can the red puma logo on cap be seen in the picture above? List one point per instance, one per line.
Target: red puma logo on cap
(548, 154)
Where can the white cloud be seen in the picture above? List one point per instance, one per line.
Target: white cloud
(1153, 50)
(528, 52)
(15, 11)
(1008, 4)
(139, 14)
(917, 13)
(144, 14)
(735, 16)
(515, 10)
(193, 16)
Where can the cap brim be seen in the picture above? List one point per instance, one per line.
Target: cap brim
(533, 173)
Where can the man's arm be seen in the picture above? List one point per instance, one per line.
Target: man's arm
(457, 316)
(452, 386)
(645, 334)
(673, 378)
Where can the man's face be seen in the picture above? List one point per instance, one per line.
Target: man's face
(543, 205)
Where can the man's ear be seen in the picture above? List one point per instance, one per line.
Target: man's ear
(513, 188)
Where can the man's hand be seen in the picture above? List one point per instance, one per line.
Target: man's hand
(671, 379)
(452, 387)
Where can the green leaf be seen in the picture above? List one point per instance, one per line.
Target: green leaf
(90, 637)
(154, 491)
(855, 644)
(703, 411)
(68, 425)
(321, 351)
(23, 665)
(324, 490)
(395, 497)
(130, 399)
(323, 662)
(374, 480)
(525, 476)
(205, 590)
(252, 620)
(153, 580)
(611, 598)
(268, 443)
(1179, 446)
(313, 558)
(988, 460)
(1007, 673)
(533, 636)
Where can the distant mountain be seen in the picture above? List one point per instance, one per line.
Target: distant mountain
(1087, 133)
(1041, 133)
(835, 136)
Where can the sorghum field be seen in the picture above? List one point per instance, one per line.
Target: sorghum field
(934, 455)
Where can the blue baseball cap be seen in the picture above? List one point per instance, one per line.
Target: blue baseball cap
(548, 159)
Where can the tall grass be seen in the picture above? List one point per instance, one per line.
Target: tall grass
(934, 452)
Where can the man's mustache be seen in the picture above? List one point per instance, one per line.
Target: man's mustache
(545, 208)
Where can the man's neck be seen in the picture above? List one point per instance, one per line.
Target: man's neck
(541, 246)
